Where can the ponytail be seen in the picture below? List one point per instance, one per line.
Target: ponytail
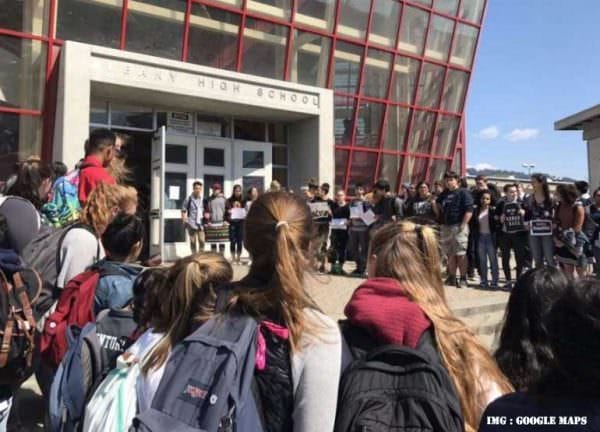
(187, 300)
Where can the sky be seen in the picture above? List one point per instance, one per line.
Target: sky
(538, 61)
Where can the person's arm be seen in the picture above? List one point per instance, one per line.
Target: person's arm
(579, 219)
(468, 205)
(184, 207)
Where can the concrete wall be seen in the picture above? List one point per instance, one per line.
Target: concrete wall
(593, 146)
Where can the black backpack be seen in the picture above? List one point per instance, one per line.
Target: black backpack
(395, 388)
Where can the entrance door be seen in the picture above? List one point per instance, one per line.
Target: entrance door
(213, 163)
(252, 164)
(180, 174)
(156, 195)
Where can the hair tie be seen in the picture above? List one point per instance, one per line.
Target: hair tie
(279, 224)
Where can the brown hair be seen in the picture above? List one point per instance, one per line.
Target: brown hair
(187, 300)
(30, 175)
(98, 210)
(409, 253)
(278, 234)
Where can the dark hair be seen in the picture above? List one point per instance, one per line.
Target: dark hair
(121, 235)
(312, 184)
(59, 168)
(524, 353)
(99, 140)
(574, 326)
(325, 187)
(481, 177)
(146, 300)
(421, 183)
(508, 186)
(382, 184)
(30, 175)
(567, 193)
(249, 191)
(233, 197)
(486, 192)
(197, 183)
(582, 186)
(451, 175)
(541, 178)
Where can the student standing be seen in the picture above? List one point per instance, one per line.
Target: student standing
(192, 216)
(339, 232)
(539, 213)
(321, 215)
(100, 151)
(595, 216)
(484, 235)
(359, 231)
(217, 225)
(422, 208)
(568, 237)
(236, 223)
(456, 206)
(510, 213)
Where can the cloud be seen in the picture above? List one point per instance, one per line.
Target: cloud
(522, 134)
(482, 166)
(489, 133)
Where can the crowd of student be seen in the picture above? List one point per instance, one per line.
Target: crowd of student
(116, 345)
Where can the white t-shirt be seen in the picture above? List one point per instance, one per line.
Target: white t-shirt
(147, 384)
(79, 250)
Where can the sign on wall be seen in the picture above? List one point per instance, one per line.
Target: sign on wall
(180, 122)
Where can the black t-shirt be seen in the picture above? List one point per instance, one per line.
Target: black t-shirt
(420, 208)
(340, 212)
(455, 204)
(536, 211)
(517, 412)
(513, 220)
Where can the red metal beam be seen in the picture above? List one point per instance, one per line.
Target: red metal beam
(186, 31)
(124, 13)
(241, 36)
(290, 43)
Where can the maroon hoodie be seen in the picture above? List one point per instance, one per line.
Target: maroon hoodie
(381, 307)
(91, 174)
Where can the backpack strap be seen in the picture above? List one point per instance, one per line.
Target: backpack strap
(8, 328)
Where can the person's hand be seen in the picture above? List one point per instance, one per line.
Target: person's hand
(463, 226)
(522, 212)
(502, 219)
(185, 220)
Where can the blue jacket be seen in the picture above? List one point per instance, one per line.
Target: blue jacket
(115, 288)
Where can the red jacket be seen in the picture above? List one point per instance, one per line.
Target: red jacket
(91, 174)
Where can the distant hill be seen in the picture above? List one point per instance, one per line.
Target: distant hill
(517, 175)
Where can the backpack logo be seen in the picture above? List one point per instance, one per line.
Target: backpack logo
(194, 391)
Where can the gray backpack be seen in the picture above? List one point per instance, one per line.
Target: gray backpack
(206, 384)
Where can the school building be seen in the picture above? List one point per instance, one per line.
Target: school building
(240, 91)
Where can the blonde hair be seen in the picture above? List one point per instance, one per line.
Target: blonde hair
(278, 234)
(98, 210)
(409, 253)
(117, 168)
(187, 299)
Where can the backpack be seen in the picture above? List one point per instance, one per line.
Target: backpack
(206, 384)
(75, 307)
(43, 254)
(19, 352)
(394, 387)
(82, 369)
(63, 206)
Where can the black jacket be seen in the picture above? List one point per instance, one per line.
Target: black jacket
(493, 219)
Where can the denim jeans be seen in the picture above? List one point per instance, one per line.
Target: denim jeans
(487, 251)
(542, 248)
(5, 406)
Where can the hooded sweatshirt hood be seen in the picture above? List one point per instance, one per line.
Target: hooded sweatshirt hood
(381, 307)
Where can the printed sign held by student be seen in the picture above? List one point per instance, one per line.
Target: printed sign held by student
(513, 220)
(319, 210)
(541, 227)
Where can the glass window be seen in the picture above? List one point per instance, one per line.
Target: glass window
(22, 72)
(440, 37)
(341, 160)
(130, 116)
(318, 14)
(231, 3)
(210, 180)
(370, 116)
(405, 80)
(347, 67)
(212, 126)
(363, 168)
(253, 181)
(446, 135)
(281, 175)
(353, 18)
(277, 133)
(177, 154)
(457, 163)
(213, 37)
(27, 16)
(277, 8)
(464, 47)
(155, 27)
(280, 155)
(423, 2)
(454, 93)
(390, 168)
(20, 137)
(446, 6)
(249, 130)
(264, 49)
(397, 125)
(437, 170)
(471, 10)
(377, 72)
(253, 159)
(99, 112)
(412, 32)
(97, 23)
(175, 180)
(384, 25)
(344, 116)
(174, 231)
(415, 170)
(310, 58)
(432, 79)
(421, 132)
(214, 157)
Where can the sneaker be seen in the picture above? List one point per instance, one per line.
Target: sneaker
(322, 270)
(484, 285)
(508, 286)
(494, 285)
(450, 280)
(462, 283)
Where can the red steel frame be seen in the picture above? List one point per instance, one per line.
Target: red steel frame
(332, 35)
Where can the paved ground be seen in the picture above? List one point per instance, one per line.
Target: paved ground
(330, 292)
